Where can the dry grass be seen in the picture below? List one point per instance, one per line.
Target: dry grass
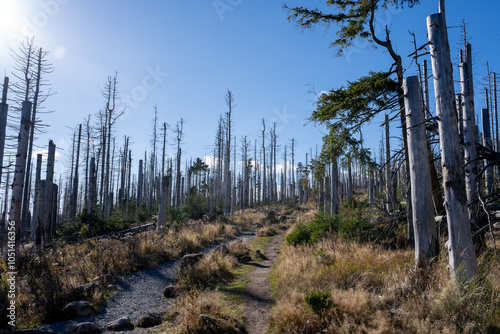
(379, 291)
(212, 269)
(45, 283)
(187, 316)
(267, 231)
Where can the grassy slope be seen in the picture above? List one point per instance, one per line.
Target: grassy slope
(375, 290)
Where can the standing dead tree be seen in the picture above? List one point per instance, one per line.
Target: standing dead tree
(426, 238)
(107, 119)
(179, 129)
(463, 262)
(227, 174)
(19, 174)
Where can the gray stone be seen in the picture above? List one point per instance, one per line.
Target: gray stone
(85, 291)
(83, 328)
(149, 319)
(77, 309)
(120, 324)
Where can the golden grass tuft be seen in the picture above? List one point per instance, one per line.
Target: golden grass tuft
(192, 305)
(213, 268)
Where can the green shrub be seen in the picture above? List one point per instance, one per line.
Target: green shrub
(318, 301)
(351, 226)
(300, 235)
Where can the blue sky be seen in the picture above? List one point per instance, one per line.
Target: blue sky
(184, 55)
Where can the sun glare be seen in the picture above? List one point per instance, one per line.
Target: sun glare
(11, 19)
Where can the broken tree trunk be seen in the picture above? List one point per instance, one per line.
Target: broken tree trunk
(463, 262)
(162, 213)
(426, 238)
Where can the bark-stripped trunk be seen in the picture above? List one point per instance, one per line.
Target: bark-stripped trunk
(19, 173)
(463, 261)
(426, 238)
(47, 206)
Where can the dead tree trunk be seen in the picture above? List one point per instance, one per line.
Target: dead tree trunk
(426, 238)
(264, 184)
(140, 182)
(74, 193)
(334, 186)
(488, 173)
(469, 128)
(92, 194)
(162, 213)
(38, 216)
(463, 261)
(18, 183)
(47, 206)
(38, 174)
(178, 174)
(4, 108)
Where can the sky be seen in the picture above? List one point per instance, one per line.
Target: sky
(183, 56)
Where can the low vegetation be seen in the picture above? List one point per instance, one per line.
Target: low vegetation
(328, 279)
(47, 282)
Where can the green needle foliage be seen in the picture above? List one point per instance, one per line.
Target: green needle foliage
(354, 19)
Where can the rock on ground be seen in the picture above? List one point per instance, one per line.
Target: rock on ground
(149, 319)
(120, 324)
(83, 328)
(77, 309)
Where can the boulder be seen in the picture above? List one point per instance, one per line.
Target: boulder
(169, 291)
(120, 324)
(149, 319)
(83, 328)
(85, 291)
(77, 309)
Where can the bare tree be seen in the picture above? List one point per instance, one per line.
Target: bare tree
(227, 175)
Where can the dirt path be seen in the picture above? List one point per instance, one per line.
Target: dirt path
(258, 299)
